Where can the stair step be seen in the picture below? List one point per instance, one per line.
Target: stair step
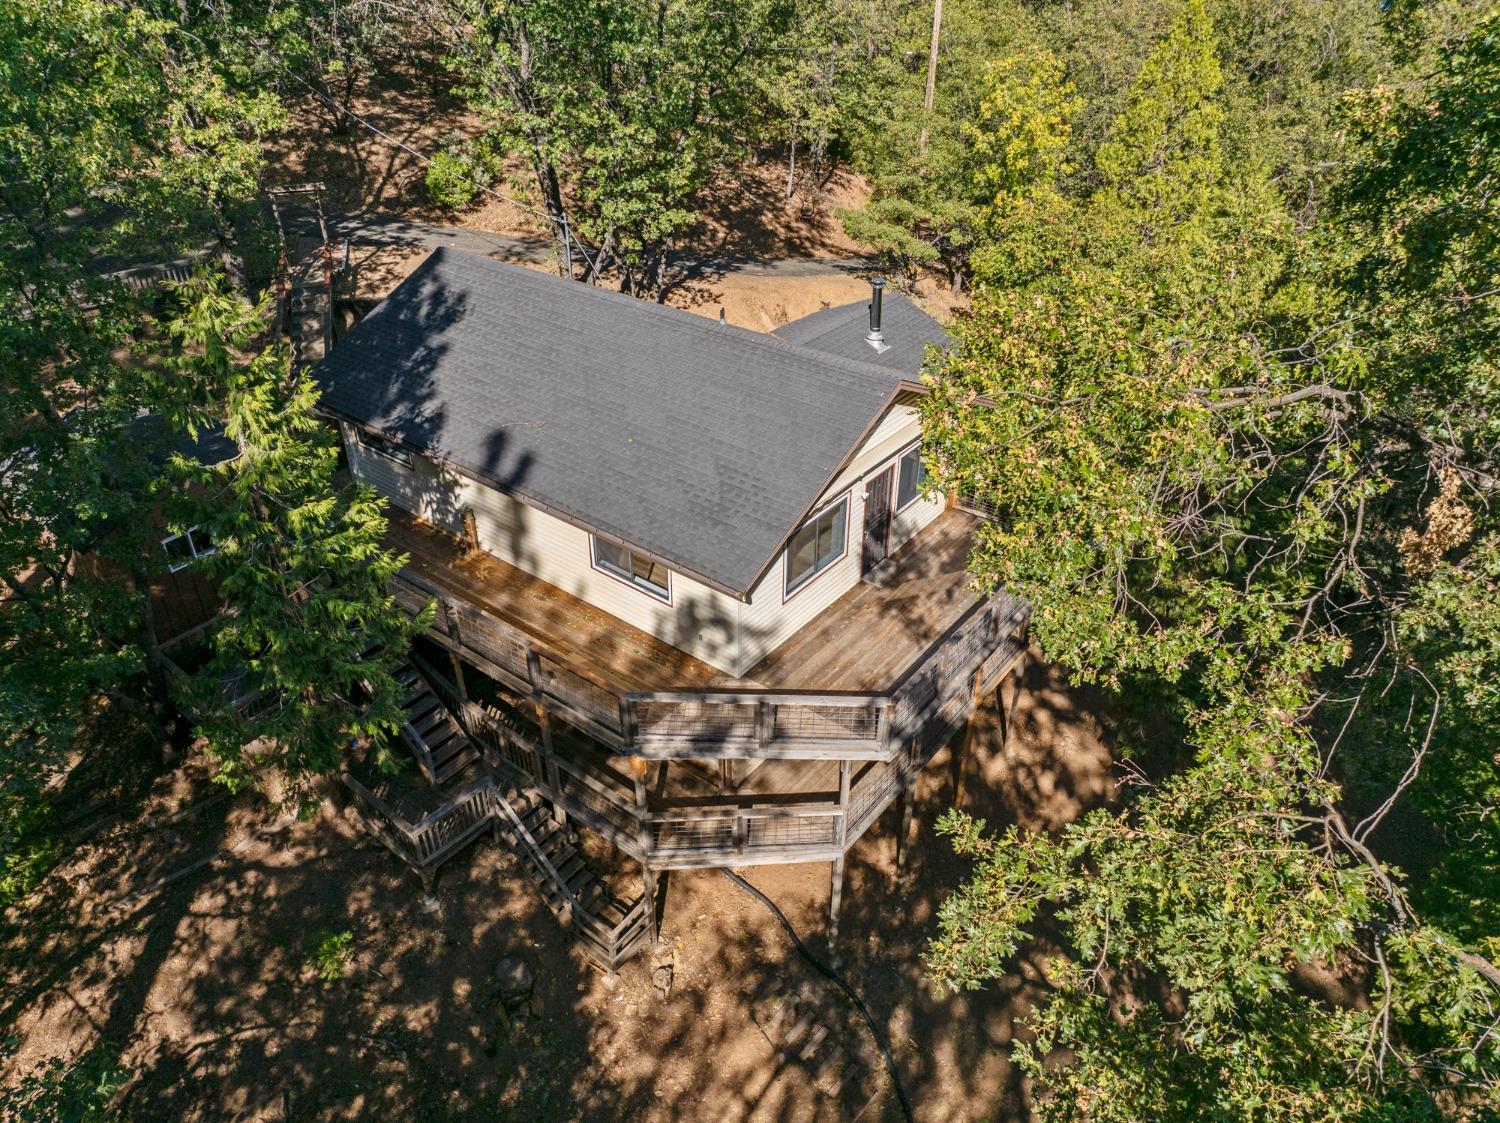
(455, 766)
(569, 865)
(458, 747)
(419, 716)
(431, 720)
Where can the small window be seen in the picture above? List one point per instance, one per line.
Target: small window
(645, 574)
(383, 446)
(816, 546)
(911, 474)
(185, 548)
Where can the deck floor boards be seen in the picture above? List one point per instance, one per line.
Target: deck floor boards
(584, 635)
(865, 640)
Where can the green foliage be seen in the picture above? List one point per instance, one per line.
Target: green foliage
(622, 113)
(995, 127)
(1248, 464)
(310, 633)
(26, 851)
(119, 145)
(331, 953)
(84, 1090)
(1021, 132)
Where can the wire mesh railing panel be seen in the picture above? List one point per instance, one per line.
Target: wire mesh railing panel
(589, 698)
(705, 721)
(693, 834)
(800, 830)
(795, 721)
(503, 646)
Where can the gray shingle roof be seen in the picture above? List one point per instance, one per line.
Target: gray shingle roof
(841, 331)
(697, 442)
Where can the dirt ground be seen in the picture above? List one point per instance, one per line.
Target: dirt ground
(747, 216)
(205, 985)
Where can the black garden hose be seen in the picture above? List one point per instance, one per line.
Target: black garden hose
(829, 974)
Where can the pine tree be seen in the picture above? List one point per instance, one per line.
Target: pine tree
(310, 632)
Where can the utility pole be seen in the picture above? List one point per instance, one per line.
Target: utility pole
(937, 24)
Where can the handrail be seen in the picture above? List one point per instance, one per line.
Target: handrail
(696, 815)
(386, 811)
(742, 722)
(531, 643)
(741, 695)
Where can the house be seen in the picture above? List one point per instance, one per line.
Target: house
(706, 556)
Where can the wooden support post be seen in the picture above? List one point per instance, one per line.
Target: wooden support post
(960, 756)
(903, 832)
(1019, 675)
(638, 768)
(835, 898)
(458, 676)
(843, 806)
(648, 880)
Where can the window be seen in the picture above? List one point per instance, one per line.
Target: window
(185, 548)
(911, 473)
(816, 546)
(383, 446)
(650, 576)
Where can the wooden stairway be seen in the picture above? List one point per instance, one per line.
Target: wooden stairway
(442, 749)
(608, 929)
(527, 825)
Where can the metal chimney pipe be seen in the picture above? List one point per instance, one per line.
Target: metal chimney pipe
(875, 338)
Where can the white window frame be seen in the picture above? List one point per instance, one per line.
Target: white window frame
(630, 578)
(916, 450)
(187, 536)
(789, 590)
(381, 445)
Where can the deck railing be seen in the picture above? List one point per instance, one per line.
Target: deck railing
(742, 723)
(666, 832)
(610, 932)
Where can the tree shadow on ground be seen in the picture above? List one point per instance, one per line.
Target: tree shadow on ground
(209, 987)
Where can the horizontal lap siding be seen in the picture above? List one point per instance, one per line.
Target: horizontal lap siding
(766, 622)
(700, 620)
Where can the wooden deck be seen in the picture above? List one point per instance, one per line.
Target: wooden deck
(584, 635)
(869, 637)
(863, 641)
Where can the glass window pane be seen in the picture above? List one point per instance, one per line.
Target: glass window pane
(913, 472)
(801, 554)
(201, 542)
(179, 550)
(610, 556)
(837, 514)
(650, 573)
(817, 545)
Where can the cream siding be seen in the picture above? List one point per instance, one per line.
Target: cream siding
(770, 618)
(701, 621)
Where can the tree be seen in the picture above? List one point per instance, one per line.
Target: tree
(1245, 470)
(995, 96)
(622, 113)
(113, 152)
(310, 630)
(125, 138)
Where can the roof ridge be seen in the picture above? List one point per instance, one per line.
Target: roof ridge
(666, 311)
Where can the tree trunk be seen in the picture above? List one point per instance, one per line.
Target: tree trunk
(932, 53)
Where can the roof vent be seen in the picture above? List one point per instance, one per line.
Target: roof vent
(874, 338)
